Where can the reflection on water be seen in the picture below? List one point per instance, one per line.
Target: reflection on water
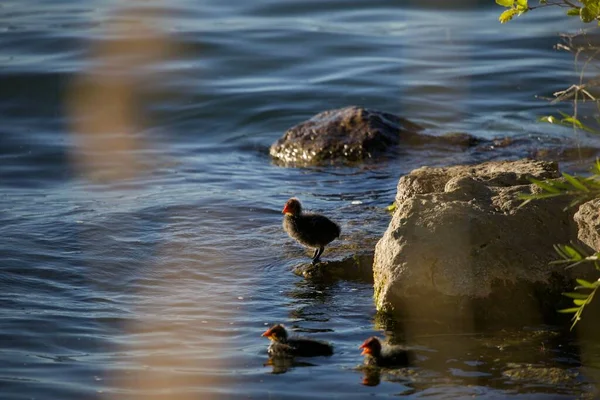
(281, 365)
(505, 360)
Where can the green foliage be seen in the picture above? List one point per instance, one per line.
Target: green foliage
(581, 189)
(590, 10)
(587, 10)
(567, 120)
(505, 3)
(515, 7)
(585, 290)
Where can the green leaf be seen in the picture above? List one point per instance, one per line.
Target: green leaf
(587, 14)
(572, 253)
(507, 15)
(573, 12)
(539, 196)
(558, 262)
(569, 310)
(593, 6)
(544, 185)
(596, 168)
(586, 284)
(569, 253)
(521, 6)
(505, 3)
(574, 295)
(570, 119)
(573, 121)
(579, 302)
(558, 248)
(548, 118)
(574, 182)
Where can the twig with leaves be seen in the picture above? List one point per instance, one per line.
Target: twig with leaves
(581, 189)
(586, 290)
(587, 10)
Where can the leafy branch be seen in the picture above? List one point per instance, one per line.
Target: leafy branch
(581, 92)
(586, 290)
(515, 7)
(581, 189)
(586, 10)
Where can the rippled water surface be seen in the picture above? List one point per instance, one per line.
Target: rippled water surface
(142, 253)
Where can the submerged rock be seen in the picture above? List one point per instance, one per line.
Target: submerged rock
(354, 268)
(353, 134)
(568, 152)
(588, 222)
(459, 235)
(541, 375)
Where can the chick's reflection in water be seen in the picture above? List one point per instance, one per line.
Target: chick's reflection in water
(371, 376)
(282, 365)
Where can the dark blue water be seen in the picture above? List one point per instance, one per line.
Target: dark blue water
(142, 254)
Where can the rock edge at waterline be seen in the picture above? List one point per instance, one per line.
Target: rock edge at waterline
(358, 267)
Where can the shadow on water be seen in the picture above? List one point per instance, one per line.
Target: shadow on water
(281, 365)
(310, 303)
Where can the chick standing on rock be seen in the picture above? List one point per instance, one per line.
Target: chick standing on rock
(282, 346)
(311, 230)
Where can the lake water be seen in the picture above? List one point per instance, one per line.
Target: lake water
(142, 253)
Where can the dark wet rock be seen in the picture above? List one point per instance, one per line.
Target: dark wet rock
(459, 139)
(353, 134)
(353, 268)
(541, 375)
(567, 154)
(588, 222)
(459, 237)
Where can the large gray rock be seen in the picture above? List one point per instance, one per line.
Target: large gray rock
(459, 235)
(588, 222)
(353, 134)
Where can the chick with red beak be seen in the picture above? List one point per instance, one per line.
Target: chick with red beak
(380, 355)
(282, 346)
(309, 229)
